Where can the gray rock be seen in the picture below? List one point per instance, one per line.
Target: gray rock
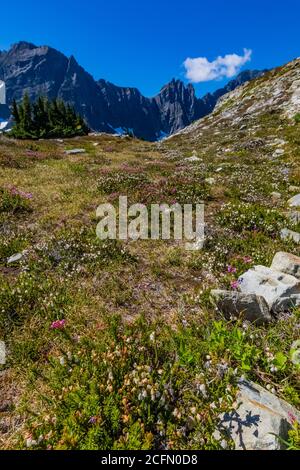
(192, 159)
(286, 263)
(270, 284)
(294, 201)
(287, 234)
(74, 151)
(261, 420)
(294, 217)
(286, 304)
(2, 353)
(15, 258)
(279, 142)
(210, 181)
(278, 153)
(293, 189)
(250, 307)
(275, 195)
(253, 144)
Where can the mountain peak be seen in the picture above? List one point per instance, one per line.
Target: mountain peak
(174, 83)
(72, 60)
(22, 45)
(105, 106)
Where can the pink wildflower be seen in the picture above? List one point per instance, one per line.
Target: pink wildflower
(17, 192)
(247, 259)
(231, 269)
(93, 420)
(292, 418)
(58, 325)
(234, 284)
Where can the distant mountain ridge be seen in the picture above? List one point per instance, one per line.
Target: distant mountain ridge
(42, 70)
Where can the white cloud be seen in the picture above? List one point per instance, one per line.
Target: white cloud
(201, 70)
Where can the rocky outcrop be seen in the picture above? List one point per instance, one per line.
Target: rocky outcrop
(106, 107)
(260, 421)
(177, 106)
(294, 201)
(263, 291)
(287, 234)
(270, 284)
(275, 93)
(250, 307)
(286, 263)
(285, 304)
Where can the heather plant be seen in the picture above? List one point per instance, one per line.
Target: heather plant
(251, 217)
(115, 182)
(148, 385)
(32, 293)
(13, 200)
(73, 251)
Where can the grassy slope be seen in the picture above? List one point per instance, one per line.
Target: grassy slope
(103, 382)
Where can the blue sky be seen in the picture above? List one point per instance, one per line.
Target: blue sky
(145, 43)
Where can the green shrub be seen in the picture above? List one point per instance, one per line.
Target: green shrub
(148, 385)
(251, 217)
(73, 250)
(297, 118)
(117, 181)
(31, 294)
(14, 201)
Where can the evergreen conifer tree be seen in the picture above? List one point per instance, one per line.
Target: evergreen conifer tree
(46, 119)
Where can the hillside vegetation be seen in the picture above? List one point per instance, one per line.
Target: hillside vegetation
(119, 345)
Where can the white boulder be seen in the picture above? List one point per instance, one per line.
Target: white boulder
(286, 263)
(210, 181)
(2, 353)
(287, 234)
(270, 284)
(192, 159)
(15, 258)
(294, 217)
(278, 153)
(294, 201)
(260, 421)
(74, 151)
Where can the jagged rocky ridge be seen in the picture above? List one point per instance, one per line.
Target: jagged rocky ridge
(105, 106)
(238, 113)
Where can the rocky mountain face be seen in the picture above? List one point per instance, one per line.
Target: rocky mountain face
(106, 107)
(4, 112)
(239, 113)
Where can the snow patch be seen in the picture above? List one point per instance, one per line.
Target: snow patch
(3, 124)
(121, 130)
(161, 135)
(2, 93)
